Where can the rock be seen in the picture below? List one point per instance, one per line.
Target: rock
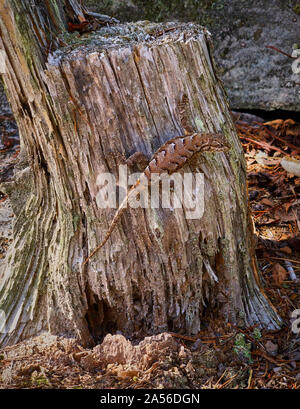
(271, 348)
(197, 345)
(254, 76)
(295, 355)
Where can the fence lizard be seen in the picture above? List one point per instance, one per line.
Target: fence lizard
(169, 158)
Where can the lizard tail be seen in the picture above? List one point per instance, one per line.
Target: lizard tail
(114, 222)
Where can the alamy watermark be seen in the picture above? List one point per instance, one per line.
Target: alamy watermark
(175, 191)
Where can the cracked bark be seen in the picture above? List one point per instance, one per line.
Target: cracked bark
(117, 90)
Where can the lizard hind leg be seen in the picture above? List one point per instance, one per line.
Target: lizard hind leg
(116, 218)
(184, 114)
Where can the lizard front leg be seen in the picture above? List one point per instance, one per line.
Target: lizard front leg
(138, 161)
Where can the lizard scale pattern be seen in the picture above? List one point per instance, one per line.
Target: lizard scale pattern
(169, 158)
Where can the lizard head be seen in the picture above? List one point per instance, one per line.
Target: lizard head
(217, 143)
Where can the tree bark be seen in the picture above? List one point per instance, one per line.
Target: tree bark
(116, 91)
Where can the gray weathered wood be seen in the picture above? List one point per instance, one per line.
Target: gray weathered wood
(117, 90)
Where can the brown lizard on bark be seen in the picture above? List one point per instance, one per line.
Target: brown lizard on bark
(169, 158)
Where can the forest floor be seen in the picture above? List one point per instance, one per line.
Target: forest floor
(221, 356)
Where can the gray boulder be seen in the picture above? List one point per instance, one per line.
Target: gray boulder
(254, 76)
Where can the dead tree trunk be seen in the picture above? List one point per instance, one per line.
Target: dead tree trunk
(99, 96)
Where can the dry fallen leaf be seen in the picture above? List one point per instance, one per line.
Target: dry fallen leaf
(267, 202)
(277, 123)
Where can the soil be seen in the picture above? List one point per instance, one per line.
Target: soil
(222, 355)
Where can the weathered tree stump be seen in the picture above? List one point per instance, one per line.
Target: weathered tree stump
(102, 96)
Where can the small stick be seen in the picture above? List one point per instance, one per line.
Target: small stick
(7, 118)
(288, 259)
(280, 51)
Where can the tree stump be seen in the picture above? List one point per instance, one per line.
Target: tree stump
(96, 100)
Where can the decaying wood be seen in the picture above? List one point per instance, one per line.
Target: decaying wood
(116, 90)
(169, 158)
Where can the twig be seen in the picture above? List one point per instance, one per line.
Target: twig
(228, 381)
(7, 118)
(221, 377)
(290, 145)
(160, 33)
(280, 51)
(250, 378)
